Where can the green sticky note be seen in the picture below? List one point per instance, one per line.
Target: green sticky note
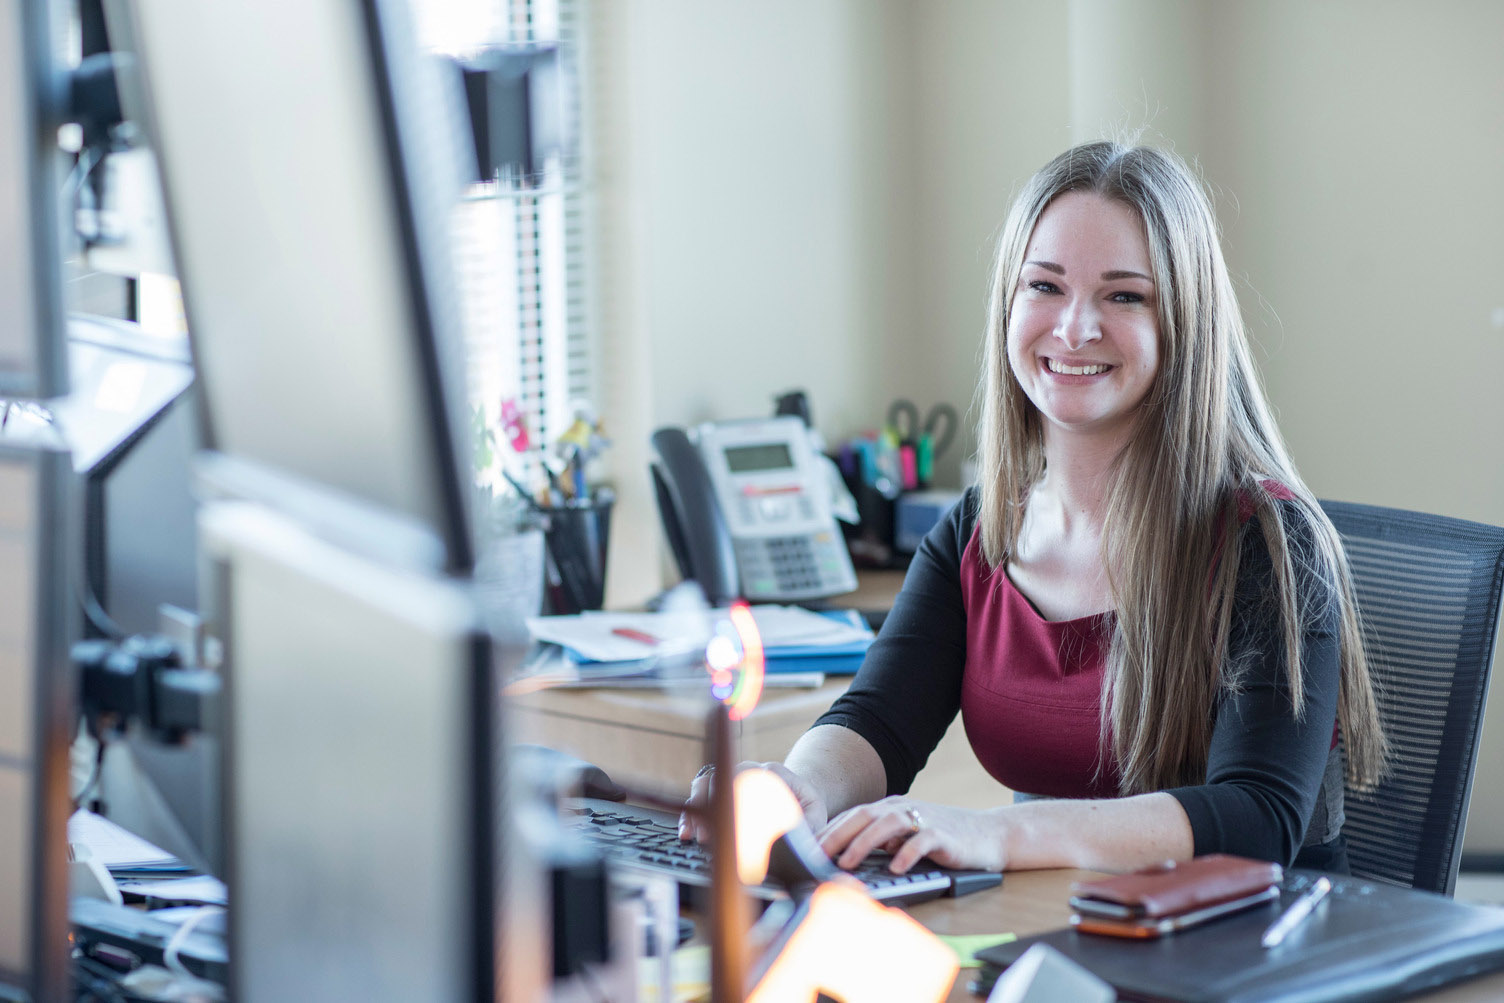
(967, 946)
(689, 970)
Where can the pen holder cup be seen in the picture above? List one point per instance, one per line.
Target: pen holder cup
(577, 535)
(871, 540)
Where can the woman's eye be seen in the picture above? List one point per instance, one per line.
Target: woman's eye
(1041, 286)
(1127, 297)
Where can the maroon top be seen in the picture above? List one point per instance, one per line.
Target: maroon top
(1031, 695)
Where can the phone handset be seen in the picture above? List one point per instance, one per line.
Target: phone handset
(696, 528)
(747, 508)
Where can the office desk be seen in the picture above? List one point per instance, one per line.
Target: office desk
(654, 739)
(1035, 901)
(875, 590)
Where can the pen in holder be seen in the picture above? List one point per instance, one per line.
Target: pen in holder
(577, 534)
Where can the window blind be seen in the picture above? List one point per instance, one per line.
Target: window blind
(520, 244)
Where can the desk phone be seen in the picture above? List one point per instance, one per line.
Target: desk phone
(746, 506)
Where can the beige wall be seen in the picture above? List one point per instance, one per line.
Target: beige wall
(804, 193)
(1365, 143)
(751, 202)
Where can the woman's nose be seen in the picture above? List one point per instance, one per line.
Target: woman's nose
(1079, 325)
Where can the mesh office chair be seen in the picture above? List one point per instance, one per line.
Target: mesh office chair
(1428, 588)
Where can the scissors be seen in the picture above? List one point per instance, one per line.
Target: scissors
(939, 425)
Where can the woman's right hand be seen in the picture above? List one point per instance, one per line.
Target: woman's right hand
(809, 799)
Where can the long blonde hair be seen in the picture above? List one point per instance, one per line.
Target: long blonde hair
(1205, 442)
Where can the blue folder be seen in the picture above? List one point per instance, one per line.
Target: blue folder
(833, 660)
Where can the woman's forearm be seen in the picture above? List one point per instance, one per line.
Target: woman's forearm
(841, 765)
(1107, 835)
(1121, 834)
(1110, 835)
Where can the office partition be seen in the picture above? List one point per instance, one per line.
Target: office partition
(35, 712)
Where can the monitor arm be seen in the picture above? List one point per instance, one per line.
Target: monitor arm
(142, 678)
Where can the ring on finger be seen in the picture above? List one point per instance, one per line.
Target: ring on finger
(915, 821)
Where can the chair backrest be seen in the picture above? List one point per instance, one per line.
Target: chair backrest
(1428, 589)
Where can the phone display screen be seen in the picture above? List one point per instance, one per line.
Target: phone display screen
(765, 456)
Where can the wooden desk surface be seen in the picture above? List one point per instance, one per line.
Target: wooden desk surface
(653, 740)
(1035, 901)
(875, 589)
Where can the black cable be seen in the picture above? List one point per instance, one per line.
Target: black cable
(83, 166)
(88, 788)
(79, 195)
(95, 613)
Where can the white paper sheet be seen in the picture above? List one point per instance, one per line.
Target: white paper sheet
(114, 846)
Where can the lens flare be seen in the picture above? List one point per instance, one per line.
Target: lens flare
(736, 665)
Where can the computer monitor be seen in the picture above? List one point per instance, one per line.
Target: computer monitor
(360, 789)
(35, 713)
(131, 427)
(310, 158)
(32, 360)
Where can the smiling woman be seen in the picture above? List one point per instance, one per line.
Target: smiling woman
(1134, 515)
(1083, 339)
(1141, 613)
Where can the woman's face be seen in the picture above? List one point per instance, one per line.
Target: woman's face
(1083, 329)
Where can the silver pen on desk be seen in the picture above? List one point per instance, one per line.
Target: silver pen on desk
(1297, 914)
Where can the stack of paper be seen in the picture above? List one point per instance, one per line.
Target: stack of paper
(837, 648)
(119, 849)
(611, 648)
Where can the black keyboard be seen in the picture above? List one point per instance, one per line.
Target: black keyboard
(649, 840)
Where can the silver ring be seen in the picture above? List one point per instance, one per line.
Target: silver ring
(915, 822)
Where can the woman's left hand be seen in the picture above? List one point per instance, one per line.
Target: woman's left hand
(909, 830)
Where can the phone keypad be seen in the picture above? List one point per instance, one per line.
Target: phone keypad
(790, 566)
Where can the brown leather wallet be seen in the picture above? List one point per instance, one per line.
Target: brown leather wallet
(1174, 888)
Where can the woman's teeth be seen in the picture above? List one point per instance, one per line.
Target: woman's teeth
(1056, 367)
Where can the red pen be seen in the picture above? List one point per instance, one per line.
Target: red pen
(640, 636)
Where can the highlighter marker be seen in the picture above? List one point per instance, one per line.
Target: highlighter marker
(908, 467)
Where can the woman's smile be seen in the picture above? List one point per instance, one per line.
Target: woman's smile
(1062, 368)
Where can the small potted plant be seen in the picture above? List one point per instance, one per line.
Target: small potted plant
(509, 569)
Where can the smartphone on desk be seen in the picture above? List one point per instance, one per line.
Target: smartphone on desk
(747, 510)
(1172, 896)
(1114, 920)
